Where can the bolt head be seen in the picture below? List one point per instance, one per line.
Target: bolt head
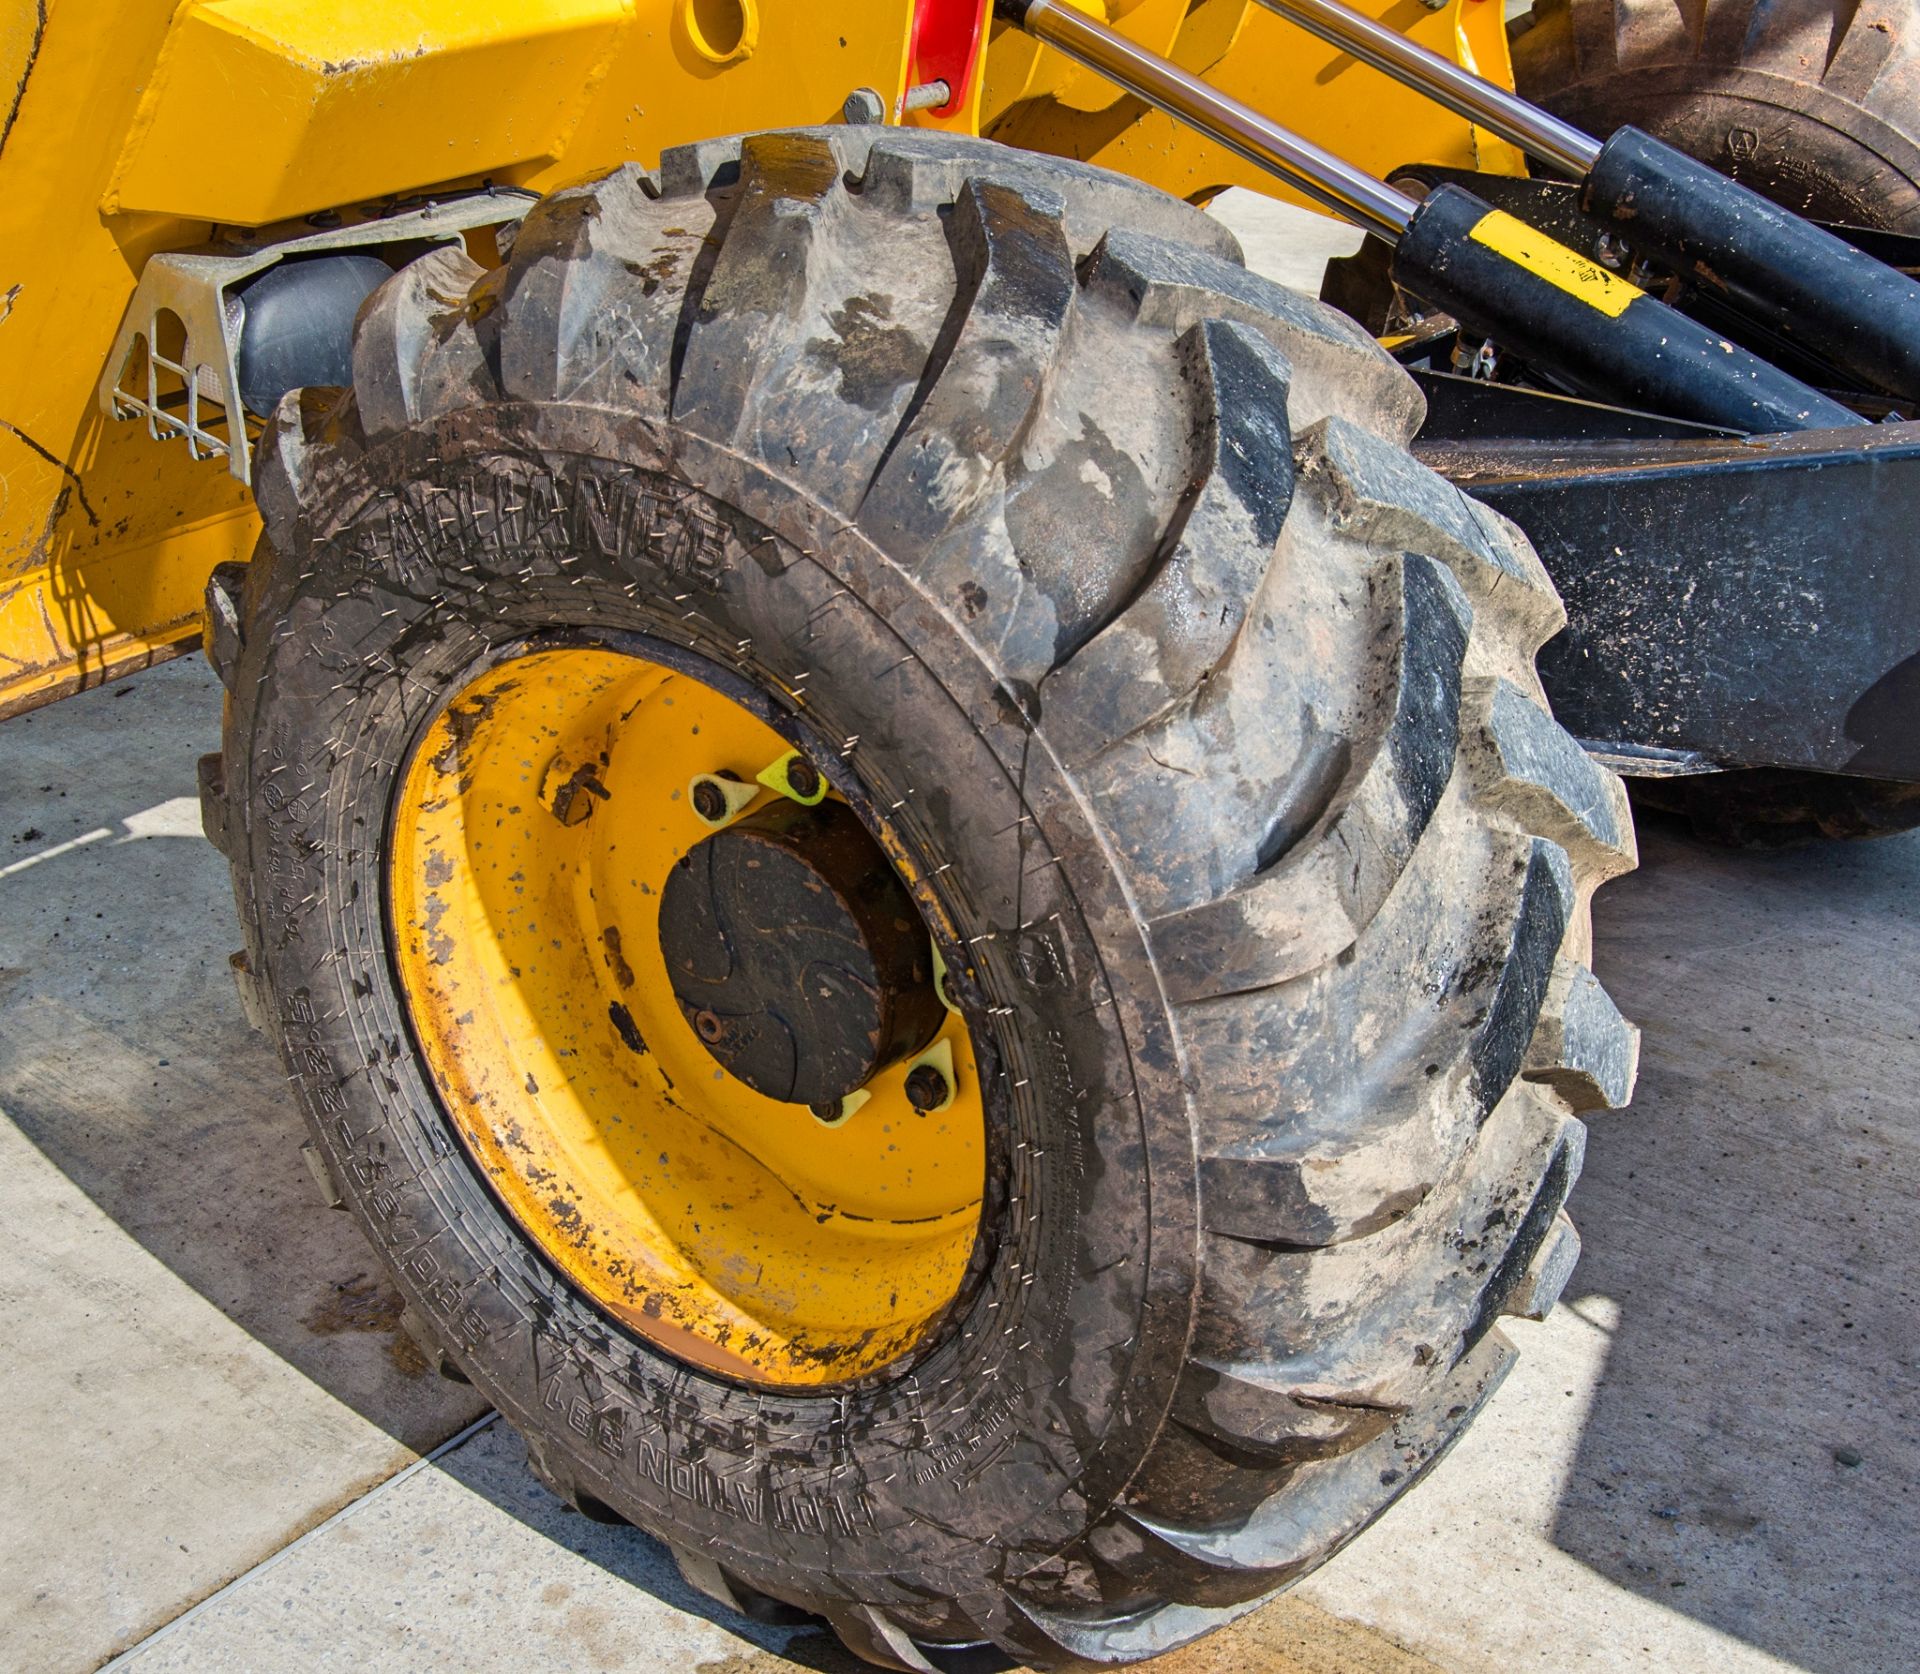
(864, 108)
(709, 801)
(926, 1088)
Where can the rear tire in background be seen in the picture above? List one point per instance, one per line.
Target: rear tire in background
(1093, 575)
(1812, 105)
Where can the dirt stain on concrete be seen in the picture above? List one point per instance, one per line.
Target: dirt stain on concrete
(368, 1304)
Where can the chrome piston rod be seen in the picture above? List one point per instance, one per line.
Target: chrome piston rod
(1537, 132)
(1349, 192)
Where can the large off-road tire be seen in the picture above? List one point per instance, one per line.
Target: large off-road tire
(1094, 574)
(1812, 104)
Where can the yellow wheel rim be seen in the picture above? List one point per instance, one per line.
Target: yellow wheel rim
(538, 820)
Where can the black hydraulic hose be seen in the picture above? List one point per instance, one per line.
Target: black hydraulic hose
(1729, 241)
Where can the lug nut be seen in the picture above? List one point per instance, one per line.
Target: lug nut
(709, 801)
(926, 1088)
(863, 108)
(804, 777)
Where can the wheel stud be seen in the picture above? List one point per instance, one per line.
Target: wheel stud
(926, 1088)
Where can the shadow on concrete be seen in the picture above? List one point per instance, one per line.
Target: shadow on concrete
(1751, 1454)
(124, 1057)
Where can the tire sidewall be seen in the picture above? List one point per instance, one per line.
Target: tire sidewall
(1790, 141)
(448, 547)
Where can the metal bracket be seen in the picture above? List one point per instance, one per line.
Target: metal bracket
(174, 361)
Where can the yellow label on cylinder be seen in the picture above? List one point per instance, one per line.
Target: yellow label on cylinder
(1564, 269)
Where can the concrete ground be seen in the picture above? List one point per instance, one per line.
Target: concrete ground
(226, 1456)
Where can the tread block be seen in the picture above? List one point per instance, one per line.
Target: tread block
(909, 172)
(328, 1188)
(1547, 906)
(1547, 1274)
(1529, 766)
(1314, 900)
(837, 376)
(691, 171)
(1322, 1505)
(1240, 1406)
(1583, 1048)
(254, 1006)
(1383, 495)
(941, 503)
(1015, 286)
(577, 327)
(1372, 1321)
(1337, 368)
(706, 1577)
(311, 442)
(1539, 1257)
(757, 289)
(211, 773)
(1332, 1133)
(874, 1637)
(414, 1323)
(426, 343)
(1149, 1631)
(1209, 567)
(912, 170)
(220, 637)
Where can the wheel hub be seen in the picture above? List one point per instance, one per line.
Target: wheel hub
(797, 955)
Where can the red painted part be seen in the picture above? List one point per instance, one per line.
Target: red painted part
(946, 45)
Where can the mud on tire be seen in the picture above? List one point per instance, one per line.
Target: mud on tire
(1112, 577)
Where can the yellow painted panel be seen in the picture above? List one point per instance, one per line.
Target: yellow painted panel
(264, 109)
(105, 538)
(661, 91)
